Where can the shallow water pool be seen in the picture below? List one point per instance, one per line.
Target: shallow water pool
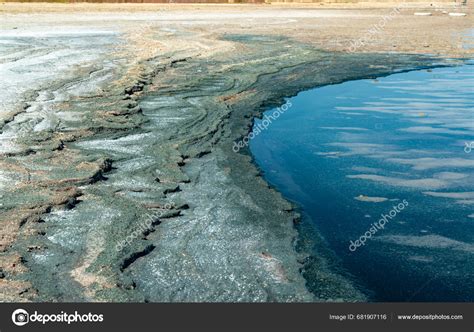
(385, 170)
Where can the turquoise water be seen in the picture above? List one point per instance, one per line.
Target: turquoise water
(399, 146)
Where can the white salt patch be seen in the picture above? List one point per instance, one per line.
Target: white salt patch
(422, 259)
(364, 198)
(429, 163)
(345, 128)
(450, 176)
(432, 130)
(455, 195)
(466, 202)
(428, 241)
(427, 183)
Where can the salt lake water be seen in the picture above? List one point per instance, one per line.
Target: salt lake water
(400, 146)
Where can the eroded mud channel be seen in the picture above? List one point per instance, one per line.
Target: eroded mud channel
(118, 181)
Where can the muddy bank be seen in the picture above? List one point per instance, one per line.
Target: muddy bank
(118, 178)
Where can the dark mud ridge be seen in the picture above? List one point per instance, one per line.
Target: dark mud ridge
(132, 192)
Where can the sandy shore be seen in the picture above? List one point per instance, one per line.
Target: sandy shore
(328, 26)
(117, 175)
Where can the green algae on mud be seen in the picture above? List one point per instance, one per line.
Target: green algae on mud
(164, 136)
